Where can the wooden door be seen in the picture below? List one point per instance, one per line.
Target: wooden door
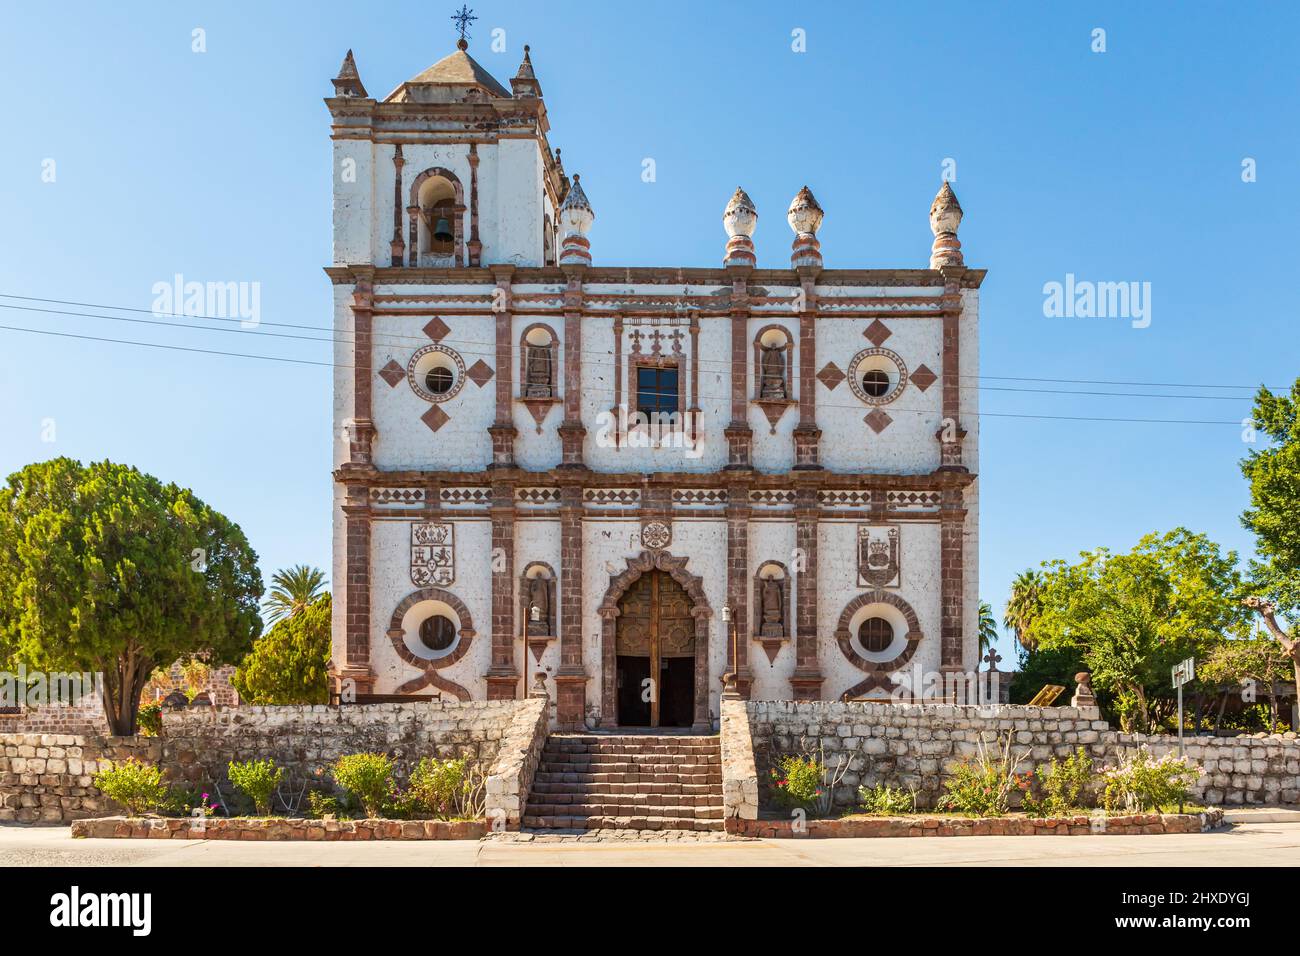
(655, 648)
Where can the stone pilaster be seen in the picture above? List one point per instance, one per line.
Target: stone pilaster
(503, 429)
(397, 247)
(740, 437)
(738, 575)
(807, 436)
(503, 676)
(571, 678)
(806, 682)
(361, 429)
(354, 675)
(952, 584)
(572, 432)
(950, 432)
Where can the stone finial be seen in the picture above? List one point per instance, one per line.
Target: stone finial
(576, 217)
(524, 82)
(348, 82)
(945, 217)
(740, 219)
(538, 689)
(1083, 695)
(805, 218)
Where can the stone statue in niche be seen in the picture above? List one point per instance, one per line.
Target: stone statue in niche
(772, 603)
(772, 366)
(539, 597)
(539, 375)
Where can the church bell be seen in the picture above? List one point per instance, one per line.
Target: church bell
(442, 231)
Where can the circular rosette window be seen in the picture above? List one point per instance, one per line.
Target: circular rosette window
(436, 373)
(877, 376)
(431, 628)
(878, 631)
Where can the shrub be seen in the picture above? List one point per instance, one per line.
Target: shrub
(324, 805)
(883, 800)
(149, 719)
(367, 776)
(797, 781)
(1142, 783)
(136, 786)
(1067, 786)
(446, 789)
(982, 786)
(183, 801)
(257, 780)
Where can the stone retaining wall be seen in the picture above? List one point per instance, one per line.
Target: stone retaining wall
(926, 826)
(512, 774)
(198, 745)
(47, 778)
(913, 746)
(277, 828)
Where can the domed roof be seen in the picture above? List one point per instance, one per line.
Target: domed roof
(455, 74)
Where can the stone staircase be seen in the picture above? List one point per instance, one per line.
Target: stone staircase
(588, 782)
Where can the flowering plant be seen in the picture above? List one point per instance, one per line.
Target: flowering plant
(1141, 782)
(797, 782)
(982, 786)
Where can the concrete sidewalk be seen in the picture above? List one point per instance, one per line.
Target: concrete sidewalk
(1252, 844)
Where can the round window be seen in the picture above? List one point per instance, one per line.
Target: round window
(439, 380)
(875, 635)
(437, 632)
(875, 382)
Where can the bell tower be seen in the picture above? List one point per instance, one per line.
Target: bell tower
(449, 170)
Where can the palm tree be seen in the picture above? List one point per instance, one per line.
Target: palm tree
(1023, 605)
(988, 628)
(292, 590)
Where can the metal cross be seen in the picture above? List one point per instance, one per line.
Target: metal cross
(992, 658)
(463, 19)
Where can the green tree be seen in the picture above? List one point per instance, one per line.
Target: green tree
(292, 591)
(1022, 605)
(289, 664)
(1133, 616)
(1274, 515)
(988, 627)
(105, 569)
(1256, 661)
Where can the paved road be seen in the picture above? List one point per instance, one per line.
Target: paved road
(1252, 844)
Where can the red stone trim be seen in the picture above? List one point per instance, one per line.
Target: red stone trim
(277, 828)
(941, 826)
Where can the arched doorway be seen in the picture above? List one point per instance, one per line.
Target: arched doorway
(668, 616)
(654, 649)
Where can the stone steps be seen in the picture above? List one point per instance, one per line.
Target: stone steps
(633, 783)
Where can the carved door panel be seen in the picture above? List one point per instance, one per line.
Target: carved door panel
(655, 623)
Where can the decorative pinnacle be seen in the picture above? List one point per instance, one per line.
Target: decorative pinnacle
(805, 215)
(348, 82)
(945, 217)
(740, 218)
(526, 67)
(576, 199)
(945, 211)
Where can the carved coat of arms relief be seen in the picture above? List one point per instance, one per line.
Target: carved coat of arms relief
(433, 553)
(879, 556)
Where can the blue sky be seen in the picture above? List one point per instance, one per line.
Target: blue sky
(1117, 166)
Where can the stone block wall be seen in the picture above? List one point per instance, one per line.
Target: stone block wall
(512, 774)
(198, 745)
(914, 746)
(47, 778)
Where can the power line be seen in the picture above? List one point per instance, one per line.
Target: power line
(402, 340)
(717, 398)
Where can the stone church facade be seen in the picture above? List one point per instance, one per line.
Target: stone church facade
(631, 489)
